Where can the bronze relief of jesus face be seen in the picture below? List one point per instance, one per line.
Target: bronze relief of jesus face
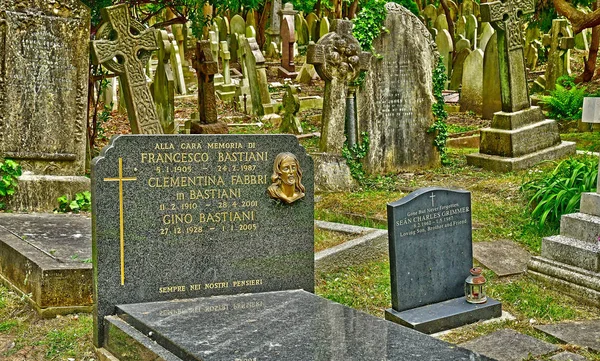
(287, 179)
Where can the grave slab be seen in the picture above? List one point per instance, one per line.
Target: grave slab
(445, 315)
(203, 329)
(585, 334)
(47, 256)
(509, 345)
(567, 356)
(503, 257)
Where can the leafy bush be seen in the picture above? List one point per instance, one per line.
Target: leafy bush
(439, 112)
(354, 156)
(552, 194)
(9, 171)
(563, 103)
(81, 203)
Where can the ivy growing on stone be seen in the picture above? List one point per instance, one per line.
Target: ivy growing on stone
(355, 155)
(439, 126)
(9, 171)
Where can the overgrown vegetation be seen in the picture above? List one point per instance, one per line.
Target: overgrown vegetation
(9, 171)
(81, 203)
(354, 156)
(439, 126)
(552, 194)
(564, 103)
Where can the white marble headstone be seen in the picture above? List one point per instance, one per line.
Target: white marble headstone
(591, 110)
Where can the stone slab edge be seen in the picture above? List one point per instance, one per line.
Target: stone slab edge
(506, 164)
(577, 283)
(489, 310)
(370, 246)
(38, 193)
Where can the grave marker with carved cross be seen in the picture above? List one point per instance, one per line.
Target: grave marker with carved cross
(560, 40)
(126, 56)
(504, 17)
(206, 68)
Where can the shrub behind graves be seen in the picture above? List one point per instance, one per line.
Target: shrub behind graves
(557, 192)
(563, 103)
(81, 203)
(9, 171)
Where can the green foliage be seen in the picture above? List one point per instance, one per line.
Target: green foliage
(9, 171)
(552, 194)
(306, 6)
(563, 103)
(354, 156)
(439, 126)
(566, 81)
(81, 203)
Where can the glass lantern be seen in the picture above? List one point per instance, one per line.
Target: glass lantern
(475, 287)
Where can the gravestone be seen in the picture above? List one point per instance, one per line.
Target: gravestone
(445, 47)
(591, 110)
(274, 27)
(441, 23)
(461, 44)
(223, 25)
(312, 22)
(486, 33)
(257, 78)
(457, 69)
(492, 101)
(519, 136)
(570, 262)
(126, 56)
(251, 18)
(291, 106)
(238, 27)
(396, 96)
(216, 207)
(250, 32)
(288, 39)
(471, 96)
(324, 27)
(471, 30)
(206, 68)
(43, 98)
(226, 91)
(431, 254)
(177, 67)
(510, 345)
(163, 86)
(336, 57)
(429, 13)
(460, 28)
(560, 41)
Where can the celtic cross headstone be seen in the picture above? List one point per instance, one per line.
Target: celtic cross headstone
(125, 53)
(504, 17)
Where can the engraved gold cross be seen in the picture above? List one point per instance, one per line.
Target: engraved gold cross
(122, 235)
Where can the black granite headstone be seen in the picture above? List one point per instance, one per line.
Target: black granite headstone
(189, 216)
(431, 254)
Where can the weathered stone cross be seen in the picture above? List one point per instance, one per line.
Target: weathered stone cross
(504, 17)
(206, 67)
(124, 46)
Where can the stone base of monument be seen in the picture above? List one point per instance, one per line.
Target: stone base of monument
(213, 128)
(46, 257)
(445, 315)
(332, 174)
(39, 193)
(519, 140)
(285, 325)
(571, 261)
(226, 92)
(286, 74)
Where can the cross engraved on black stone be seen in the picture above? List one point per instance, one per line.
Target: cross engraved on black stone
(432, 197)
(124, 46)
(121, 223)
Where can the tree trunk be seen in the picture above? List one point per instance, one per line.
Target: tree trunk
(337, 9)
(578, 19)
(262, 23)
(353, 9)
(590, 63)
(450, 22)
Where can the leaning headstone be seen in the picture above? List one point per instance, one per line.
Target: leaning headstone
(288, 39)
(519, 136)
(291, 106)
(250, 32)
(257, 77)
(431, 254)
(461, 44)
(395, 99)
(163, 86)
(223, 25)
(486, 33)
(312, 22)
(457, 69)
(324, 27)
(471, 96)
(441, 23)
(206, 68)
(307, 74)
(44, 55)
(460, 28)
(430, 15)
(238, 27)
(492, 100)
(336, 57)
(445, 47)
(116, 39)
(251, 18)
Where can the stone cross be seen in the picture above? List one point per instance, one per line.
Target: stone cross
(337, 59)
(504, 17)
(163, 87)
(225, 58)
(214, 46)
(560, 41)
(126, 56)
(206, 67)
(291, 106)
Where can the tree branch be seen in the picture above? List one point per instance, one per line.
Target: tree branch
(579, 20)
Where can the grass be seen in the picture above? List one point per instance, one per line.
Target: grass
(455, 128)
(588, 141)
(326, 239)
